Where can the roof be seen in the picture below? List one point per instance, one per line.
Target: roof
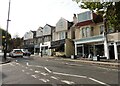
(96, 19)
(34, 33)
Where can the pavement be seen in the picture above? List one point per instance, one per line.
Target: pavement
(102, 62)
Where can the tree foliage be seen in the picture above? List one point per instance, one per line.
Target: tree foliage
(109, 10)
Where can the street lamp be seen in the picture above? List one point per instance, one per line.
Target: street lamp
(6, 34)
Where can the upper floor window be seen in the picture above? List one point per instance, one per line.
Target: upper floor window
(62, 35)
(86, 32)
(101, 29)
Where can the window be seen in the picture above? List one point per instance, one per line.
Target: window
(101, 29)
(61, 35)
(86, 32)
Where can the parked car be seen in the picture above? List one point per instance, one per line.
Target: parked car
(16, 53)
(26, 52)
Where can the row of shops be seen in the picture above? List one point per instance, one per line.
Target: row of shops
(79, 48)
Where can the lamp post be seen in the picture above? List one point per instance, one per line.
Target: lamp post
(6, 34)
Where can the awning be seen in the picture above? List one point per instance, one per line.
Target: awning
(56, 46)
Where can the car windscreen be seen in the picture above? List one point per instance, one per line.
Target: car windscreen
(17, 51)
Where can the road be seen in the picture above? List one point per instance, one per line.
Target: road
(56, 72)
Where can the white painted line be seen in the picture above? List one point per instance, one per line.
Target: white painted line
(34, 76)
(44, 80)
(69, 75)
(67, 82)
(99, 82)
(27, 64)
(54, 77)
(47, 69)
(44, 74)
(37, 71)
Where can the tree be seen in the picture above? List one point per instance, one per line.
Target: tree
(109, 10)
(3, 37)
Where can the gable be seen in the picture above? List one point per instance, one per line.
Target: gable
(61, 25)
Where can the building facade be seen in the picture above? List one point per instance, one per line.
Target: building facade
(30, 40)
(45, 39)
(90, 37)
(62, 44)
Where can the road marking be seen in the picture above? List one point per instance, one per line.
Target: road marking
(27, 64)
(81, 77)
(44, 80)
(47, 69)
(34, 65)
(54, 77)
(67, 82)
(34, 76)
(108, 69)
(44, 74)
(37, 71)
(98, 81)
(69, 75)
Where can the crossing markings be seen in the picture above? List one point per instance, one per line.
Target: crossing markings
(54, 77)
(67, 82)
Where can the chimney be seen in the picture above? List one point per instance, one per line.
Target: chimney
(75, 19)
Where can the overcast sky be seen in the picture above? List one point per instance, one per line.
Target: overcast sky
(26, 15)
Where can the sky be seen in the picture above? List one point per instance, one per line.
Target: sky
(26, 15)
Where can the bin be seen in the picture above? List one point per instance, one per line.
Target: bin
(98, 58)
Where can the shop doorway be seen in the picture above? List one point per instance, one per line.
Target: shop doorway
(111, 52)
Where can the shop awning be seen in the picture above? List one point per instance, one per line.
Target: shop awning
(56, 46)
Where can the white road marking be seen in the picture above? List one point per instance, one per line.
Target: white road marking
(37, 71)
(82, 77)
(47, 69)
(27, 64)
(34, 65)
(44, 80)
(69, 75)
(54, 78)
(67, 82)
(99, 82)
(34, 76)
(44, 74)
